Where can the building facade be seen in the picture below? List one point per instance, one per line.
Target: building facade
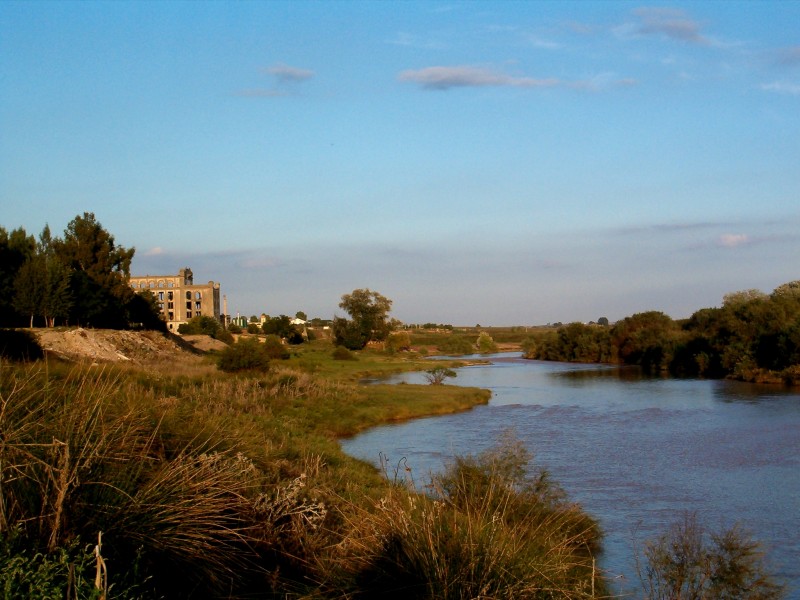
(179, 298)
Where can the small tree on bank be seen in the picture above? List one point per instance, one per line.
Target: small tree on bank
(437, 375)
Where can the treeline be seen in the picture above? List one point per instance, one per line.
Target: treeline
(753, 336)
(80, 278)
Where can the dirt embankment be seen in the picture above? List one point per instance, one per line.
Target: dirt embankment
(107, 345)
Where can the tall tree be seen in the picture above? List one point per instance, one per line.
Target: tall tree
(15, 249)
(100, 272)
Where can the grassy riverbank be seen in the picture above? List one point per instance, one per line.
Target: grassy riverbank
(205, 484)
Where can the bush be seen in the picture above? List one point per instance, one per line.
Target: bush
(485, 532)
(19, 345)
(274, 348)
(248, 354)
(456, 345)
(437, 375)
(486, 344)
(689, 563)
(398, 341)
(342, 353)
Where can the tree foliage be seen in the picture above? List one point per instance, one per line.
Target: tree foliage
(369, 319)
(753, 336)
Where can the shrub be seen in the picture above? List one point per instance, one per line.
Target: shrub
(274, 348)
(486, 344)
(342, 353)
(689, 563)
(456, 345)
(19, 345)
(437, 375)
(482, 533)
(248, 354)
(398, 341)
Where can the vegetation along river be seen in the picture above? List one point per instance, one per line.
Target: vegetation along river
(636, 452)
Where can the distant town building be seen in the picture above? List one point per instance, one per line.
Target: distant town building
(179, 298)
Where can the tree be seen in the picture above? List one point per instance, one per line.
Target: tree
(282, 327)
(603, 321)
(301, 315)
(369, 312)
(15, 249)
(100, 271)
(437, 375)
(485, 343)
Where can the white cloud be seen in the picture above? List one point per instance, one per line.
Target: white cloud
(443, 78)
(782, 87)
(157, 251)
(286, 73)
(671, 23)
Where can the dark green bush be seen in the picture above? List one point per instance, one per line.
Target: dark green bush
(18, 345)
(248, 354)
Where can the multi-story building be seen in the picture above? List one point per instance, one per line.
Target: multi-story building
(178, 296)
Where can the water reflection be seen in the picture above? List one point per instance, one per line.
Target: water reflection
(635, 450)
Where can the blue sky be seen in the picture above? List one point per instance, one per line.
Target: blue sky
(501, 163)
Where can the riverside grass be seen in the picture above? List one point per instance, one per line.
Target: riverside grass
(205, 484)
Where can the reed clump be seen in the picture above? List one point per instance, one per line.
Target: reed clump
(484, 529)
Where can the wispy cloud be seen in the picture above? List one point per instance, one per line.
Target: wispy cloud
(672, 23)
(286, 73)
(409, 40)
(732, 240)
(445, 78)
(789, 57)
(782, 87)
(261, 93)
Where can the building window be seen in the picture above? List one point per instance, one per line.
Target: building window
(161, 284)
(134, 285)
(161, 306)
(170, 305)
(171, 317)
(161, 296)
(188, 314)
(188, 306)
(169, 295)
(197, 305)
(151, 285)
(170, 284)
(198, 296)
(188, 295)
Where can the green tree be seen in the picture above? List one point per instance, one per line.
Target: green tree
(16, 248)
(485, 343)
(369, 319)
(202, 325)
(100, 271)
(282, 327)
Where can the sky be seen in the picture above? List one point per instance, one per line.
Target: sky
(493, 163)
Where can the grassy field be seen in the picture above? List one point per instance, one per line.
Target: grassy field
(207, 484)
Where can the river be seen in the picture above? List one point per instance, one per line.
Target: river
(636, 452)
